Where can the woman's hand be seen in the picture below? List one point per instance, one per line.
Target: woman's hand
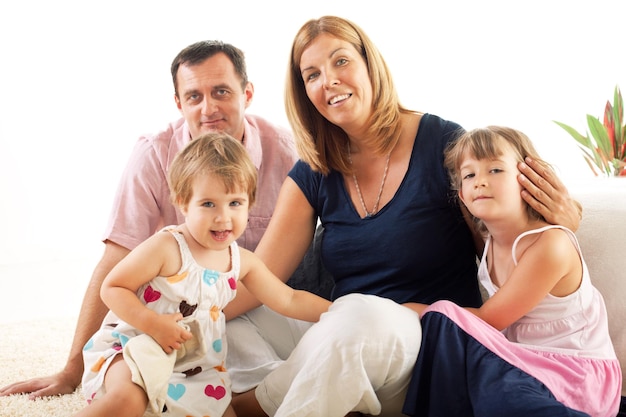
(547, 194)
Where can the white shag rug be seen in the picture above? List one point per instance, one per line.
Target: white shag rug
(36, 348)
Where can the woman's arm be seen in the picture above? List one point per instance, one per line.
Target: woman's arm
(547, 194)
(290, 232)
(284, 243)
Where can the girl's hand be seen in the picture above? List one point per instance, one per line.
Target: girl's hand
(168, 333)
(417, 307)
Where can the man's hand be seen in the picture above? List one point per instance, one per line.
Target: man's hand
(91, 315)
(60, 383)
(547, 194)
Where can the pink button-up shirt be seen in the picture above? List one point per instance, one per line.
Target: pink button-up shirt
(142, 203)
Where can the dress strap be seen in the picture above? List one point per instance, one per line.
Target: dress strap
(235, 259)
(185, 253)
(571, 235)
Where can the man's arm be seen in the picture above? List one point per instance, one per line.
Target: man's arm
(547, 194)
(91, 315)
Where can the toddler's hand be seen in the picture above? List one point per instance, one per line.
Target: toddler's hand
(168, 334)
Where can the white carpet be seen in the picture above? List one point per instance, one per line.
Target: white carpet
(34, 348)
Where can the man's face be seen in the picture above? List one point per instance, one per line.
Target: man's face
(210, 97)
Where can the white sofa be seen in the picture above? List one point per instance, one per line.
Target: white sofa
(602, 237)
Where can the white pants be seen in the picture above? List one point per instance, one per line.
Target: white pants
(258, 342)
(359, 357)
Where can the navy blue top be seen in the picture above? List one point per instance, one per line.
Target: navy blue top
(416, 248)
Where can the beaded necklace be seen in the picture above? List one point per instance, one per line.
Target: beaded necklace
(358, 189)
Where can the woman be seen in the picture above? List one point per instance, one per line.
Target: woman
(372, 172)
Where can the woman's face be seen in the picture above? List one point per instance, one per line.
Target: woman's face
(337, 82)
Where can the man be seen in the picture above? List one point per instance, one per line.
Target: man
(212, 92)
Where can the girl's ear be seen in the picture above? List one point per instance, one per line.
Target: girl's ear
(182, 207)
(460, 194)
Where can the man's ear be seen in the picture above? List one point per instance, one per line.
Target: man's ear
(177, 100)
(249, 92)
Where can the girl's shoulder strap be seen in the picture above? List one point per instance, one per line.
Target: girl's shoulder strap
(185, 253)
(571, 235)
(235, 259)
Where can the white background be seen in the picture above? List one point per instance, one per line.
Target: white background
(80, 80)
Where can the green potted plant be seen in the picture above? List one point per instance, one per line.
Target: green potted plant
(604, 145)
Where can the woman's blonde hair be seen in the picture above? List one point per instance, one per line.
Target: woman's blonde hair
(320, 143)
(487, 143)
(217, 154)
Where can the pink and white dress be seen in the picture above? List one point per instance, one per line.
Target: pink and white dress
(557, 360)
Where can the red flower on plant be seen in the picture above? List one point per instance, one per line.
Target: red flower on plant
(604, 148)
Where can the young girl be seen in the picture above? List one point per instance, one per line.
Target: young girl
(540, 344)
(161, 349)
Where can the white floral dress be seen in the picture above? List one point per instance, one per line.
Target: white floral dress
(198, 386)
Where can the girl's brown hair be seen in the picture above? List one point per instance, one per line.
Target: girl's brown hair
(487, 143)
(217, 154)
